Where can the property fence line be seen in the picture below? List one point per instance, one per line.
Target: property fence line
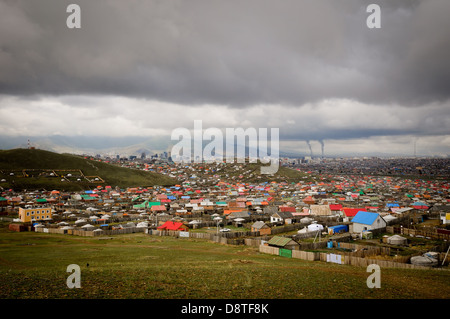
(286, 228)
(89, 233)
(309, 234)
(362, 250)
(417, 232)
(345, 260)
(358, 256)
(218, 238)
(312, 246)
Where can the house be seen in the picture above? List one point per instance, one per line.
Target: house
(158, 208)
(89, 198)
(289, 209)
(402, 210)
(309, 200)
(349, 213)
(231, 211)
(335, 208)
(445, 218)
(238, 214)
(262, 227)
(389, 218)
(270, 210)
(338, 229)
(320, 210)
(443, 211)
(151, 204)
(281, 217)
(420, 205)
(141, 205)
(35, 214)
(364, 221)
(170, 225)
(283, 242)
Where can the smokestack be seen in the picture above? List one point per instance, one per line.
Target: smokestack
(323, 146)
(310, 148)
(415, 142)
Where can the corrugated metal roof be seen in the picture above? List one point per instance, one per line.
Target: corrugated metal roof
(279, 241)
(366, 218)
(259, 224)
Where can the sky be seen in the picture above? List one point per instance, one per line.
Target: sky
(313, 69)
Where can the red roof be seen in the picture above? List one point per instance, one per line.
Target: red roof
(351, 212)
(335, 206)
(170, 225)
(290, 209)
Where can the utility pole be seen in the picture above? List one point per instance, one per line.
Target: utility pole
(443, 261)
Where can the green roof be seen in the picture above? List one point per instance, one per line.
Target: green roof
(87, 197)
(141, 205)
(221, 203)
(2, 199)
(150, 204)
(279, 241)
(41, 200)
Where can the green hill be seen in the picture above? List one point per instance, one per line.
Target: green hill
(38, 169)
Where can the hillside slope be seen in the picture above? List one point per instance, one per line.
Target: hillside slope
(37, 169)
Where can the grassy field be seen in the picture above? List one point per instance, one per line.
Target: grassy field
(33, 265)
(19, 159)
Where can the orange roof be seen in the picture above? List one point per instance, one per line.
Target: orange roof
(158, 208)
(229, 211)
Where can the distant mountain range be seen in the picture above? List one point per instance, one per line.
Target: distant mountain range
(111, 146)
(126, 146)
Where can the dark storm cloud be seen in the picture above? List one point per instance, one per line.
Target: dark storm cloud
(235, 53)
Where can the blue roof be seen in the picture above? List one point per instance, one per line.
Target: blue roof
(338, 227)
(366, 218)
(392, 205)
(419, 204)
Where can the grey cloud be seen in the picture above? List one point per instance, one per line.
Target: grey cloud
(235, 53)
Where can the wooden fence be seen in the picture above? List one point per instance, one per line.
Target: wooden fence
(286, 228)
(312, 246)
(212, 237)
(269, 250)
(305, 255)
(310, 234)
(361, 250)
(255, 242)
(238, 234)
(355, 255)
(345, 260)
(85, 233)
(418, 233)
